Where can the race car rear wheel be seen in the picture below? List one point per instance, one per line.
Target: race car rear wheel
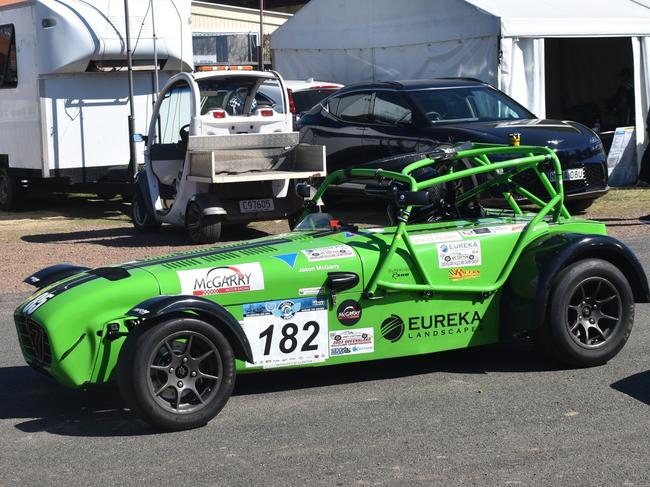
(177, 374)
(591, 314)
(201, 229)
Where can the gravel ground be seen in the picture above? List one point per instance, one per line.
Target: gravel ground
(93, 232)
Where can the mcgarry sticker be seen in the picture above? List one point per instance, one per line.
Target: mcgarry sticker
(349, 312)
(222, 279)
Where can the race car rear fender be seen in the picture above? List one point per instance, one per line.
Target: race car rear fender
(160, 307)
(527, 292)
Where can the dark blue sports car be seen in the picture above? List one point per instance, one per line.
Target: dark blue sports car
(369, 121)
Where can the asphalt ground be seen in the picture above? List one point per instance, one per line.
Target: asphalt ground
(499, 415)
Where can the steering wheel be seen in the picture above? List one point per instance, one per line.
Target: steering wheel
(184, 133)
(433, 116)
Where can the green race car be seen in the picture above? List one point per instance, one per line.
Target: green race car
(446, 274)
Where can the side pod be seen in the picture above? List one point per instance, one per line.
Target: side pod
(161, 306)
(527, 291)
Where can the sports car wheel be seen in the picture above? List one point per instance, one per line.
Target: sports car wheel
(142, 220)
(200, 228)
(177, 374)
(591, 314)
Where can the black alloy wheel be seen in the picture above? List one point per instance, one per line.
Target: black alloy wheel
(178, 374)
(590, 314)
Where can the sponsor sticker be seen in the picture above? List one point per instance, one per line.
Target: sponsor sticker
(351, 342)
(289, 259)
(458, 274)
(287, 332)
(428, 238)
(329, 253)
(222, 279)
(399, 272)
(501, 229)
(459, 254)
(311, 291)
(392, 328)
(435, 326)
(349, 312)
(37, 302)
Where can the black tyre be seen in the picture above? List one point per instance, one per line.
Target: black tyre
(590, 314)
(177, 374)
(143, 221)
(578, 206)
(10, 190)
(200, 228)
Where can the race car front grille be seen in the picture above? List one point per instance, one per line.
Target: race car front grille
(34, 342)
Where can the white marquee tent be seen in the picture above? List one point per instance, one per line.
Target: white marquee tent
(498, 41)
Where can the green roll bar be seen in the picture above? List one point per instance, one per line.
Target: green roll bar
(504, 172)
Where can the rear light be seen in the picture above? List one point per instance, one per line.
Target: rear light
(292, 103)
(266, 112)
(224, 68)
(219, 114)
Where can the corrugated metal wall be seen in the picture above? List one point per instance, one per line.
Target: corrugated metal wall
(207, 17)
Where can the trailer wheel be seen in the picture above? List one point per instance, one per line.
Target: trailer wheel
(9, 190)
(142, 220)
(200, 228)
(591, 313)
(178, 374)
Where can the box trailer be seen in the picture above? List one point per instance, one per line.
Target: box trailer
(64, 88)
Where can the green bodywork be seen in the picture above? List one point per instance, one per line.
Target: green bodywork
(408, 300)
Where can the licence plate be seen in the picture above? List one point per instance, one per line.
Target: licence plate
(569, 175)
(254, 206)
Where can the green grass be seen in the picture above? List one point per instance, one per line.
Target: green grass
(624, 202)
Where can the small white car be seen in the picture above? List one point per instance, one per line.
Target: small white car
(304, 94)
(221, 149)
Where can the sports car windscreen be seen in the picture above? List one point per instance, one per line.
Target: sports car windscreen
(467, 104)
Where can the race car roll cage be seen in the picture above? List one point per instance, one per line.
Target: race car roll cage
(503, 175)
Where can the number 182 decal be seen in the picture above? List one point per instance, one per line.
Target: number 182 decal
(287, 332)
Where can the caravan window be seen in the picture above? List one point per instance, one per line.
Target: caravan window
(8, 63)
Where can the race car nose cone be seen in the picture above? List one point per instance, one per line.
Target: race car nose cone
(181, 372)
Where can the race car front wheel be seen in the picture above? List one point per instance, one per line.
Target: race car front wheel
(177, 374)
(590, 314)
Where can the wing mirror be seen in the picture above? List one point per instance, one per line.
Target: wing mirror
(140, 138)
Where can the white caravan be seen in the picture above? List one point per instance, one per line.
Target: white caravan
(64, 88)
(220, 149)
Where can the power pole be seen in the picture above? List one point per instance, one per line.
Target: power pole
(260, 47)
(133, 162)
